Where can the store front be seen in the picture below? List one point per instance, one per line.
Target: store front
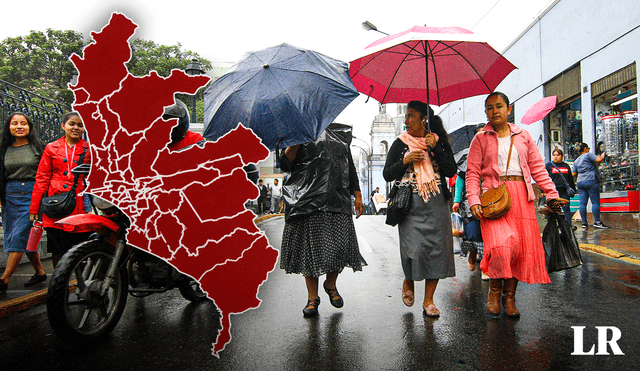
(615, 104)
(564, 124)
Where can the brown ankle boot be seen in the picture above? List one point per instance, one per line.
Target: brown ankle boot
(509, 297)
(493, 302)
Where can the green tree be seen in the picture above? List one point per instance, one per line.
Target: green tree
(147, 56)
(40, 62)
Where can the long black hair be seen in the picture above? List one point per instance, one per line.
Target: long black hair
(8, 139)
(435, 122)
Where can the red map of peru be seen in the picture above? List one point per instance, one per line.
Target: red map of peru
(188, 206)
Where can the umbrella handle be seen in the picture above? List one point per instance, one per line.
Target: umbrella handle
(369, 95)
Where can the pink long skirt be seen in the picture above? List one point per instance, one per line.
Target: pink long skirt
(512, 243)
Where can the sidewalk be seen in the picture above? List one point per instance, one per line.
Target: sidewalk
(613, 242)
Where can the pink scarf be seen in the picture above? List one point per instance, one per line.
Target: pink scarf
(427, 183)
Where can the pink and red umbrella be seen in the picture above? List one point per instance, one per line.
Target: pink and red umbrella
(539, 110)
(457, 64)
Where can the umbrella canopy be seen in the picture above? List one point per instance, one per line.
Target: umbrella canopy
(286, 95)
(539, 110)
(460, 137)
(457, 64)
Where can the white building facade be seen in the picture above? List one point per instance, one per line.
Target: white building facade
(585, 52)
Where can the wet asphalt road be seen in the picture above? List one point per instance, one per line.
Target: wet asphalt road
(373, 331)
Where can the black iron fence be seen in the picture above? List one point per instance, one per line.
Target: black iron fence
(45, 113)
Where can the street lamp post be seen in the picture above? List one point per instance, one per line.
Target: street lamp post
(369, 158)
(193, 69)
(371, 27)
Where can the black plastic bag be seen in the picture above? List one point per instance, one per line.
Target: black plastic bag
(319, 179)
(561, 248)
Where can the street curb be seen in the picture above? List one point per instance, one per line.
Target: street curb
(25, 302)
(22, 303)
(609, 252)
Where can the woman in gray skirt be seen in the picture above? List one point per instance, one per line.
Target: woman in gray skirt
(424, 158)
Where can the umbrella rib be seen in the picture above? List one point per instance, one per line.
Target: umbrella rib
(435, 74)
(471, 65)
(406, 55)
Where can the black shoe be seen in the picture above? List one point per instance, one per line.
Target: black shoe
(334, 296)
(600, 225)
(3, 287)
(311, 310)
(35, 279)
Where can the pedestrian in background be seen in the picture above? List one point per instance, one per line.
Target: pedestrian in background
(472, 239)
(319, 236)
(276, 197)
(560, 174)
(585, 167)
(20, 153)
(262, 198)
(424, 158)
(513, 248)
(54, 176)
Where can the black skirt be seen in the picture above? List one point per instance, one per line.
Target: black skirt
(320, 243)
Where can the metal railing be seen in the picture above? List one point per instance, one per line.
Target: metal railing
(45, 113)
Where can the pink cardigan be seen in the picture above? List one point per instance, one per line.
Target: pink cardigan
(483, 163)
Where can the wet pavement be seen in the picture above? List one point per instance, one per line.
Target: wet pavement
(374, 330)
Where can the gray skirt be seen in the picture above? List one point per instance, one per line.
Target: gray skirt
(426, 241)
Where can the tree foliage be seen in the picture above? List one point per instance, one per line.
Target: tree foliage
(39, 62)
(146, 56)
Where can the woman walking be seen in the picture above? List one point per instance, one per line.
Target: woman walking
(423, 159)
(513, 248)
(20, 152)
(585, 167)
(54, 176)
(560, 174)
(319, 236)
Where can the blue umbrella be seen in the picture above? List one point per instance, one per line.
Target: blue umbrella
(286, 95)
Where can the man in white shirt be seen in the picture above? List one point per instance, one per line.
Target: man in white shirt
(276, 196)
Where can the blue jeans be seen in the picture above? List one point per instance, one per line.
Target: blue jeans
(589, 189)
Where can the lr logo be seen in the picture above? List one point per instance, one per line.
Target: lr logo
(578, 341)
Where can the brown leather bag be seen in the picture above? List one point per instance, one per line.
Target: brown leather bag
(496, 201)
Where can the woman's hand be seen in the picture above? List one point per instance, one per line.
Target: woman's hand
(476, 210)
(431, 140)
(33, 217)
(455, 207)
(291, 152)
(414, 156)
(555, 204)
(358, 204)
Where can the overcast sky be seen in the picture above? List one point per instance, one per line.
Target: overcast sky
(222, 31)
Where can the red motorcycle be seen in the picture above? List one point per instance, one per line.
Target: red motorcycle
(88, 289)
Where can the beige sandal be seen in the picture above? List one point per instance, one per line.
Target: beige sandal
(407, 294)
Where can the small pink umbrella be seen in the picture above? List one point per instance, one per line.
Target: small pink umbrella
(539, 110)
(432, 64)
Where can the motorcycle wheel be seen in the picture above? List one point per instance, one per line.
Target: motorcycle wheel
(76, 310)
(190, 290)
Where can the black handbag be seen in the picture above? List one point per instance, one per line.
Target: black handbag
(399, 203)
(561, 248)
(62, 204)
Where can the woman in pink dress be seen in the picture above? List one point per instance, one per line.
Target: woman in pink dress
(513, 248)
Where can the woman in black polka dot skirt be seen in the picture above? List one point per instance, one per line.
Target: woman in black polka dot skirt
(319, 236)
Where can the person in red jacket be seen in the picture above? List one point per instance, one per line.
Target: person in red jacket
(54, 176)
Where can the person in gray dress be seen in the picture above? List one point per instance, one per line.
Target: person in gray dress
(424, 158)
